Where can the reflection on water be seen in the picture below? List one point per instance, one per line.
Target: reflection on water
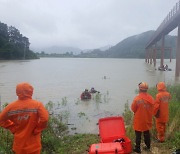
(62, 80)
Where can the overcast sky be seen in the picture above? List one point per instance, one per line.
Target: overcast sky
(85, 24)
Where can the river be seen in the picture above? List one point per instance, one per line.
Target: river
(62, 80)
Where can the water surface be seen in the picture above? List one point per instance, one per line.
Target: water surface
(55, 79)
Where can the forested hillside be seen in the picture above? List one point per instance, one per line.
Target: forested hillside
(133, 47)
(13, 45)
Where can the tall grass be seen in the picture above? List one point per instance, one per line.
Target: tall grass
(128, 119)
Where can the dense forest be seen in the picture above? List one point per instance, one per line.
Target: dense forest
(13, 45)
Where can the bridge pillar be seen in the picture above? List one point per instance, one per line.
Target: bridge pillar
(154, 56)
(151, 55)
(170, 52)
(162, 52)
(178, 53)
(146, 56)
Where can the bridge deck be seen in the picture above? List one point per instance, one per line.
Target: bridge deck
(169, 23)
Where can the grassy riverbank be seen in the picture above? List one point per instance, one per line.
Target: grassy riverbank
(55, 138)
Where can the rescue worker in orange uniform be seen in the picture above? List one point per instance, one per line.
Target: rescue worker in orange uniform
(161, 110)
(142, 106)
(25, 118)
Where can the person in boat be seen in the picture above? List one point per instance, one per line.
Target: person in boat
(163, 68)
(142, 106)
(86, 95)
(93, 90)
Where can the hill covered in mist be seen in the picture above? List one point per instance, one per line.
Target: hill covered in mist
(132, 47)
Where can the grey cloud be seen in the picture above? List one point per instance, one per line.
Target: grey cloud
(82, 23)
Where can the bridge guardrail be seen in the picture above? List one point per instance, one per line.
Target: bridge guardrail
(173, 12)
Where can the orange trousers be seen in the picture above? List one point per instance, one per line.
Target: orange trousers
(161, 128)
(25, 152)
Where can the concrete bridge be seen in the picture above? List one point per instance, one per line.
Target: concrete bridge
(171, 21)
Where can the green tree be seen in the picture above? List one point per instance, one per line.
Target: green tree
(13, 45)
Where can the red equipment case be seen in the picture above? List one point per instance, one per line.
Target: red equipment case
(106, 148)
(112, 132)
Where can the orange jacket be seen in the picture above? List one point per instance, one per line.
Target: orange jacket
(142, 107)
(25, 118)
(162, 104)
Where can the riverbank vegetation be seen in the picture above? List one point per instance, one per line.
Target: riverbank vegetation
(56, 139)
(13, 45)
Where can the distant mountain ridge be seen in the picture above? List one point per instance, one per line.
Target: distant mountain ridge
(65, 49)
(61, 50)
(104, 48)
(132, 47)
